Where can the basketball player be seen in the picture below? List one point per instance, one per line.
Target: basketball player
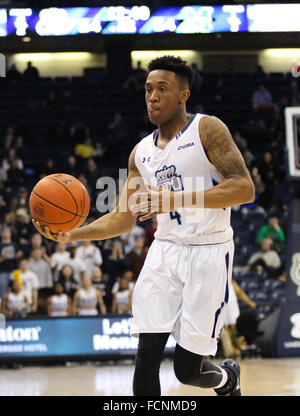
(183, 285)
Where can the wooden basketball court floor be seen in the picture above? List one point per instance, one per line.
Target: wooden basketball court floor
(259, 377)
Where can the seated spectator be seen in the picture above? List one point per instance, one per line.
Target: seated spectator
(9, 222)
(90, 254)
(12, 139)
(274, 231)
(79, 131)
(266, 259)
(78, 266)
(97, 281)
(85, 149)
(116, 264)
(29, 282)
(60, 303)
(262, 100)
(41, 268)
(66, 278)
(61, 256)
(231, 342)
(92, 173)
(23, 227)
(128, 239)
(9, 255)
(137, 256)
(128, 274)
(122, 299)
(11, 159)
(71, 168)
(47, 169)
(13, 75)
(15, 303)
(15, 175)
(36, 241)
(87, 299)
(31, 72)
(21, 200)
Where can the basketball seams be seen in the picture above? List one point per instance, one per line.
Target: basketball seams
(57, 206)
(55, 180)
(82, 207)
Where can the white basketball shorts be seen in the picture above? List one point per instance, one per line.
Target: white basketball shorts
(184, 290)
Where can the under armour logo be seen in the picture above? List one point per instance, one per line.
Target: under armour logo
(146, 159)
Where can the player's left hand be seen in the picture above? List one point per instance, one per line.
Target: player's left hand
(156, 201)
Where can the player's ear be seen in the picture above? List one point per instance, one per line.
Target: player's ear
(184, 96)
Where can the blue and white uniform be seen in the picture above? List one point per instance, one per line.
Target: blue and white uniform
(184, 284)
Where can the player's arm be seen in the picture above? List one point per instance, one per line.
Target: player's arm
(113, 224)
(222, 152)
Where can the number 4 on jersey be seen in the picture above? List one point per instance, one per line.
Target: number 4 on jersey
(174, 215)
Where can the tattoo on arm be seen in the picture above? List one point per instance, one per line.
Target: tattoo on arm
(221, 149)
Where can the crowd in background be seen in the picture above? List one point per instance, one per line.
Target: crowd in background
(40, 277)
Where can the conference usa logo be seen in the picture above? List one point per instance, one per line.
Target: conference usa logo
(295, 271)
(169, 179)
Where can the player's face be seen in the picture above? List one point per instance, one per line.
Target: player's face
(163, 96)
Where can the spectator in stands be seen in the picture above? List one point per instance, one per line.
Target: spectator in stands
(12, 138)
(60, 303)
(240, 141)
(15, 303)
(13, 75)
(29, 282)
(48, 169)
(85, 148)
(41, 268)
(77, 265)
(57, 259)
(137, 256)
(231, 342)
(128, 274)
(66, 278)
(31, 72)
(23, 227)
(274, 231)
(140, 74)
(9, 255)
(266, 259)
(293, 99)
(92, 173)
(9, 222)
(219, 93)
(71, 168)
(97, 280)
(262, 100)
(21, 200)
(36, 241)
(79, 131)
(90, 254)
(87, 299)
(116, 263)
(11, 159)
(122, 299)
(132, 86)
(15, 176)
(128, 239)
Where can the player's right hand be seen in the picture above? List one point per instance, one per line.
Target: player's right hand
(60, 237)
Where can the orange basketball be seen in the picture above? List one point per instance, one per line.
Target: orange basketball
(59, 201)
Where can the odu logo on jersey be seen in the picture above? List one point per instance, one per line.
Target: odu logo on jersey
(185, 146)
(169, 179)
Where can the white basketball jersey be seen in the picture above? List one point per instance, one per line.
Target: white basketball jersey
(88, 298)
(16, 300)
(59, 305)
(183, 166)
(122, 299)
